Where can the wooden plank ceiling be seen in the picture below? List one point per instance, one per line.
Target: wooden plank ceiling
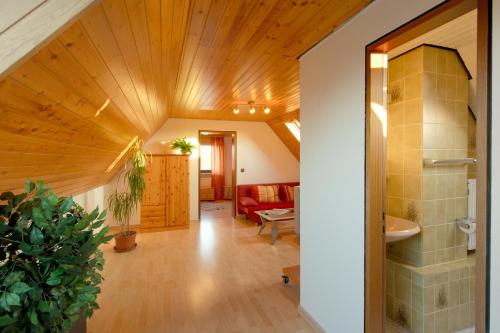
(152, 59)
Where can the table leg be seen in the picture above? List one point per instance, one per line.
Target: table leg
(263, 224)
(274, 232)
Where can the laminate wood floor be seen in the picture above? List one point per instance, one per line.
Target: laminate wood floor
(217, 276)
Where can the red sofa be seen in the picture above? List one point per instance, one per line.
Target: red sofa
(243, 191)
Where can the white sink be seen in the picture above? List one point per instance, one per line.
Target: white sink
(397, 229)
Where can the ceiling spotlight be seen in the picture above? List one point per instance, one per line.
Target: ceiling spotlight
(267, 110)
(163, 142)
(236, 110)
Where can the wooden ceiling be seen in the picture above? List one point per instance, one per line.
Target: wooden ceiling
(152, 59)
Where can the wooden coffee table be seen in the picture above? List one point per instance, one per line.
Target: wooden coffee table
(268, 216)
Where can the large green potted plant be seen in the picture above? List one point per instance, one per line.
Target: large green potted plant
(50, 260)
(183, 145)
(128, 193)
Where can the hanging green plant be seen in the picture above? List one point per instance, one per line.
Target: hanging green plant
(124, 203)
(183, 145)
(50, 260)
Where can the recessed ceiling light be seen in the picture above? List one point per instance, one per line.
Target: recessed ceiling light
(163, 142)
(267, 110)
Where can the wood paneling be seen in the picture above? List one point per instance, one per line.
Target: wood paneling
(177, 190)
(278, 125)
(153, 201)
(152, 59)
(166, 200)
(376, 159)
(483, 167)
(26, 25)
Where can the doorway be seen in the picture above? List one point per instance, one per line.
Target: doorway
(426, 153)
(217, 174)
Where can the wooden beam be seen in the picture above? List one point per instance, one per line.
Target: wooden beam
(28, 28)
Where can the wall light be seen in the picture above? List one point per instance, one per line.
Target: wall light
(267, 110)
(236, 110)
(252, 110)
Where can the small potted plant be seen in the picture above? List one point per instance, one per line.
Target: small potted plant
(50, 261)
(183, 145)
(123, 203)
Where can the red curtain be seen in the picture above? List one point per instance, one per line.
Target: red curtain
(218, 166)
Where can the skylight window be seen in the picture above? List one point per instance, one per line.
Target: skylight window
(294, 128)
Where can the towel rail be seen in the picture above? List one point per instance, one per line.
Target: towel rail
(428, 162)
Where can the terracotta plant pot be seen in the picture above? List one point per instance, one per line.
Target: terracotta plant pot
(125, 242)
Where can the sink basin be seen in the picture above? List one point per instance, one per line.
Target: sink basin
(397, 229)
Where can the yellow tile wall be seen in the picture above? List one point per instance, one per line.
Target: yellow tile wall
(428, 117)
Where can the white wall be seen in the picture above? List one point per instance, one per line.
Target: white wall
(332, 164)
(259, 151)
(92, 199)
(495, 181)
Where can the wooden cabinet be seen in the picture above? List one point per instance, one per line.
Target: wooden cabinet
(165, 202)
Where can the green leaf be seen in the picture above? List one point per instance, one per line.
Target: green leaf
(8, 299)
(38, 217)
(73, 308)
(103, 214)
(53, 281)
(98, 223)
(36, 236)
(45, 306)
(66, 205)
(33, 316)
(19, 288)
(12, 278)
(54, 278)
(6, 320)
(82, 224)
(86, 298)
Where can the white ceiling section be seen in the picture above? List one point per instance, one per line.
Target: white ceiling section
(459, 34)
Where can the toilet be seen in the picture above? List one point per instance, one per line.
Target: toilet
(468, 225)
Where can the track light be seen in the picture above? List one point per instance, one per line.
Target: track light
(252, 108)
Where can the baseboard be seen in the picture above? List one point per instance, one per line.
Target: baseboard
(310, 320)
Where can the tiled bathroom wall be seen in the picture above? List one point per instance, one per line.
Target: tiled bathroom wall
(427, 118)
(431, 299)
(445, 136)
(430, 279)
(405, 148)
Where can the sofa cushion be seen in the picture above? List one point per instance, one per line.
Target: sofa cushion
(287, 193)
(247, 201)
(266, 193)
